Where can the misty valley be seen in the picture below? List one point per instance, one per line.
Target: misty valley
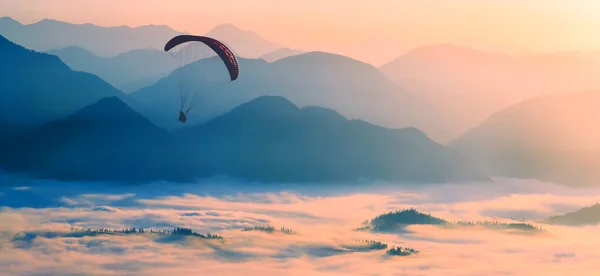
(151, 151)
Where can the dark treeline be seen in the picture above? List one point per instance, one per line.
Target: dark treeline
(375, 245)
(392, 220)
(167, 232)
(411, 216)
(501, 225)
(399, 251)
(363, 228)
(269, 229)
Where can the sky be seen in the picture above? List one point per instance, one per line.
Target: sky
(368, 28)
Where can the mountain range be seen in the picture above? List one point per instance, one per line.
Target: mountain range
(128, 71)
(136, 69)
(551, 137)
(38, 87)
(244, 43)
(268, 139)
(319, 79)
(49, 34)
(460, 86)
(353, 88)
(469, 85)
(105, 140)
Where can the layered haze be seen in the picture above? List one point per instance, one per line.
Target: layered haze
(375, 32)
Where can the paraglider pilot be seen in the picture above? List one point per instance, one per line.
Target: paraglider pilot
(182, 116)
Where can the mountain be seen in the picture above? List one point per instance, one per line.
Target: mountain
(272, 140)
(244, 43)
(106, 140)
(585, 216)
(50, 34)
(470, 85)
(128, 71)
(38, 87)
(279, 54)
(552, 137)
(267, 139)
(8, 130)
(355, 89)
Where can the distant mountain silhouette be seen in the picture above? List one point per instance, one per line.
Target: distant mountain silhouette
(267, 139)
(106, 140)
(553, 137)
(51, 34)
(271, 139)
(355, 89)
(128, 72)
(279, 54)
(471, 85)
(38, 87)
(244, 43)
(585, 216)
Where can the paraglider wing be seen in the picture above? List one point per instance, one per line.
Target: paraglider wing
(219, 48)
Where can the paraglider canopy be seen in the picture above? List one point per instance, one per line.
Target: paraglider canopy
(199, 61)
(224, 53)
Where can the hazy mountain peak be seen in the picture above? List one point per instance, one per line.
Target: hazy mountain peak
(228, 27)
(103, 41)
(72, 51)
(105, 106)
(267, 104)
(51, 21)
(8, 20)
(319, 57)
(280, 54)
(111, 110)
(245, 43)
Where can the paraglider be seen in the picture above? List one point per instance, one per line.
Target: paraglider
(199, 61)
(182, 116)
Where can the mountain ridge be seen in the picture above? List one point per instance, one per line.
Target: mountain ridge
(27, 102)
(128, 71)
(310, 79)
(268, 139)
(552, 138)
(472, 84)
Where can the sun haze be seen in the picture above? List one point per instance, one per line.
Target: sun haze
(361, 29)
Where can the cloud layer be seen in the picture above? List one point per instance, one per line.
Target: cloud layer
(324, 222)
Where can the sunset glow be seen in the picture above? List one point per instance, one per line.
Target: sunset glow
(364, 29)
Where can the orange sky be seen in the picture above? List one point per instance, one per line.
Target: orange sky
(345, 26)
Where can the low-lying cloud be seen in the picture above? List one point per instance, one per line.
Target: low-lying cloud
(324, 241)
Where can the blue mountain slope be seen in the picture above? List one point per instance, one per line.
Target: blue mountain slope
(38, 87)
